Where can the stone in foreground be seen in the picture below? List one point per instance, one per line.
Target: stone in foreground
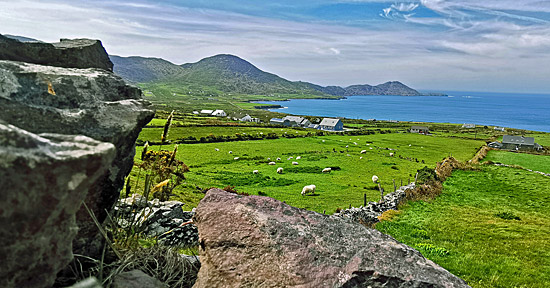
(261, 242)
(44, 179)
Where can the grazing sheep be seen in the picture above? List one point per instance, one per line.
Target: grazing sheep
(294, 163)
(354, 143)
(236, 158)
(230, 152)
(374, 179)
(268, 159)
(217, 149)
(410, 145)
(347, 146)
(327, 170)
(360, 157)
(391, 154)
(280, 170)
(290, 158)
(299, 157)
(323, 141)
(370, 148)
(255, 172)
(363, 151)
(278, 159)
(308, 189)
(271, 163)
(368, 144)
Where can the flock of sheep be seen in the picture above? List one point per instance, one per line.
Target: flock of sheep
(308, 189)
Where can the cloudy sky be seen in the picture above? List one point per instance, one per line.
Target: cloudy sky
(468, 45)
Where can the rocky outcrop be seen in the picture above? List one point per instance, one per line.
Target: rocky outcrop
(165, 221)
(136, 279)
(44, 179)
(368, 215)
(70, 53)
(91, 102)
(253, 241)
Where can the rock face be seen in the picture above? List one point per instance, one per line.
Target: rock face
(260, 242)
(70, 53)
(44, 179)
(91, 102)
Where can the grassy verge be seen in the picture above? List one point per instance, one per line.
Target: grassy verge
(472, 230)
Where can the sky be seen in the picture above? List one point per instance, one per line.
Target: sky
(430, 45)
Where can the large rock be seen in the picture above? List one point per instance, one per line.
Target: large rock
(44, 179)
(91, 102)
(261, 242)
(71, 53)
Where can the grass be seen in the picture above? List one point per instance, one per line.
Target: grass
(339, 189)
(529, 161)
(175, 133)
(489, 227)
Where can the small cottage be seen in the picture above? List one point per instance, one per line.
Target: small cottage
(468, 125)
(420, 130)
(206, 112)
(300, 121)
(331, 124)
(519, 143)
(219, 113)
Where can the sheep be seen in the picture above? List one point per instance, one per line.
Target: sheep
(363, 151)
(217, 149)
(280, 170)
(360, 157)
(370, 148)
(230, 152)
(290, 158)
(272, 163)
(236, 158)
(268, 159)
(278, 158)
(255, 172)
(308, 189)
(323, 141)
(391, 154)
(327, 170)
(299, 157)
(294, 163)
(354, 143)
(347, 146)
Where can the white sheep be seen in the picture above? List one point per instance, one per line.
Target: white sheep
(280, 170)
(278, 158)
(327, 170)
(374, 179)
(230, 152)
(370, 148)
(354, 143)
(217, 149)
(323, 141)
(308, 189)
(294, 163)
(363, 151)
(347, 146)
(290, 158)
(360, 157)
(255, 172)
(236, 158)
(299, 157)
(272, 163)
(391, 154)
(268, 159)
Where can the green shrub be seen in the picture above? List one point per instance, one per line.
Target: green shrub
(507, 216)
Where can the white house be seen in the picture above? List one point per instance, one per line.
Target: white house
(219, 113)
(249, 118)
(420, 129)
(331, 124)
(468, 125)
(206, 112)
(300, 121)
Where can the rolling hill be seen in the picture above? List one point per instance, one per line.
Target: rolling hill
(231, 74)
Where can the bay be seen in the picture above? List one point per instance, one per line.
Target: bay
(512, 110)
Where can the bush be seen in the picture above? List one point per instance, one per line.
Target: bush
(426, 175)
(507, 216)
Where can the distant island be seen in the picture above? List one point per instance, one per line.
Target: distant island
(231, 74)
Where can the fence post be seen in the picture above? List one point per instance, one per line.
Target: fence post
(365, 200)
(394, 188)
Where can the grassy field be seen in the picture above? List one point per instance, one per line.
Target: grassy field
(346, 185)
(489, 227)
(198, 132)
(529, 161)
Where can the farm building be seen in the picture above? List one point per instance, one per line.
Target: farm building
(249, 118)
(468, 125)
(300, 121)
(501, 129)
(195, 112)
(219, 113)
(331, 124)
(519, 143)
(278, 121)
(420, 129)
(206, 112)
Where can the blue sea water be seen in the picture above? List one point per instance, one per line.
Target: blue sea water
(522, 111)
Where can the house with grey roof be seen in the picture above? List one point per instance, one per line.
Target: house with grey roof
(420, 130)
(279, 121)
(331, 124)
(300, 121)
(519, 143)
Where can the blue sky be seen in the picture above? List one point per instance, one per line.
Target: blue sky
(472, 45)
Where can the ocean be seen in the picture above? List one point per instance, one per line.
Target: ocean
(522, 111)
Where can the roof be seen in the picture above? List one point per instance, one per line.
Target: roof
(329, 122)
(218, 111)
(419, 128)
(276, 120)
(206, 111)
(508, 139)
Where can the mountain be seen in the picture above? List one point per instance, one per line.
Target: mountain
(231, 74)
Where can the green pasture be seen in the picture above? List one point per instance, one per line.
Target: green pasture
(345, 185)
(529, 161)
(489, 227)
(148, 134)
